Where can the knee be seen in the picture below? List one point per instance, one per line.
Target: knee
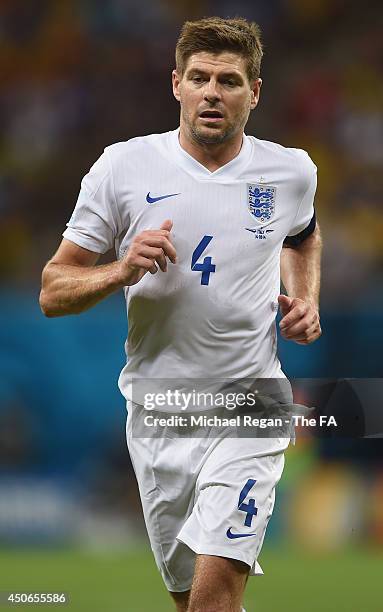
(207, 608)
(211, 604)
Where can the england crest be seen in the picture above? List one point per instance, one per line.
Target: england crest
(261, 201)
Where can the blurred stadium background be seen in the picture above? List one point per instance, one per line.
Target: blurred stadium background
(77, 76)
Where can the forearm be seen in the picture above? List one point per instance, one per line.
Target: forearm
(68, 289)
(300, 269)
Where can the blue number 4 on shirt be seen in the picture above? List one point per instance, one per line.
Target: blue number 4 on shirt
(206, 267)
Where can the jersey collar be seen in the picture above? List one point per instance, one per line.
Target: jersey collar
(229, 171)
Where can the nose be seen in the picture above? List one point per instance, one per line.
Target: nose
(211, 92)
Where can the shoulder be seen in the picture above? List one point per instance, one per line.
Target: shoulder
(135, 148)
(296, 162)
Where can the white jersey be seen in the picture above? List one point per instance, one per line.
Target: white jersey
(212, 314)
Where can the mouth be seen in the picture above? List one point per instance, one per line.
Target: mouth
(211, 116)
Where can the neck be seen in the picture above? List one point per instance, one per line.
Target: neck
(212, 156)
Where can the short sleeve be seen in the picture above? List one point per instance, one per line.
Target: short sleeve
(94, 223)
(304, 222)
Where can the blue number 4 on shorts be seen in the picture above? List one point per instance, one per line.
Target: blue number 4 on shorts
(248, 507)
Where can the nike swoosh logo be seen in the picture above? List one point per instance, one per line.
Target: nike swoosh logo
(232, 536)
(151, 200)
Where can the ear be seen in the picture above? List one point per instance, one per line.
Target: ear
(255, 92)
(176, 80)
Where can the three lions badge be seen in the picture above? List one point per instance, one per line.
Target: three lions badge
(261, 201)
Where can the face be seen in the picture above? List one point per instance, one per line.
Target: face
(216, 96)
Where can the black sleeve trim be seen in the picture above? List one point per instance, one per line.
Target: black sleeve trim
(294, 241)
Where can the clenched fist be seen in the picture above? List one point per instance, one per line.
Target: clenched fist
(148, 250)
(300, 320)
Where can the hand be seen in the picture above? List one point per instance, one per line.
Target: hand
(148, 248)
(300, 320)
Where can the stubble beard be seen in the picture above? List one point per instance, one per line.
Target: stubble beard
(211, 136)
(214, 137)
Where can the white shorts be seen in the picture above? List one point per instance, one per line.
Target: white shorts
(205, 496)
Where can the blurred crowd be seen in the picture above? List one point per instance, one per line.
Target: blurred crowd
(79, 75)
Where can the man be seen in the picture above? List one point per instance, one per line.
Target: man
(206, 211)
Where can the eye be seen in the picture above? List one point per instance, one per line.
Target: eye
(230, 82)
(197, 78)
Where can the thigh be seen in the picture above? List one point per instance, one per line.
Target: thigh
(167, 490)
(235, 500)
(218, 584)
(181, 600)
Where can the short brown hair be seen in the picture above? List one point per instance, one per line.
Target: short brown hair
(214, 35)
